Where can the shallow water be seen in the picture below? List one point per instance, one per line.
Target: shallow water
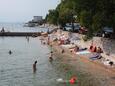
(16, 69)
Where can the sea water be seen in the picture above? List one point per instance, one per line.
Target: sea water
(16, 68)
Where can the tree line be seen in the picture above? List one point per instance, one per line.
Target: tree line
(92, 14)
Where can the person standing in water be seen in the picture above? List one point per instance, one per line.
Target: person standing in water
(34, 67)
(51, 56)
(2, 30)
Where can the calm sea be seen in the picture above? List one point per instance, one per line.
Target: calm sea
(19, 27)
(16, 69)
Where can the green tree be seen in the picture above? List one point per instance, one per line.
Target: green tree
(85, 18)
(93, 14)
(52, 17)
(98, 23)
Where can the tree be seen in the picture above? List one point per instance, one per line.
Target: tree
(52, 17)
(93, 14)
(98, 23)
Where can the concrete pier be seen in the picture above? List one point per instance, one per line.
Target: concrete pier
(34, 34)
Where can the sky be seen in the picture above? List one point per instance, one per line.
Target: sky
(24, 10)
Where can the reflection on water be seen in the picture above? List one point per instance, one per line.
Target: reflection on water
(16, 69)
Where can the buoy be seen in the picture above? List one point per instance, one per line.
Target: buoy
(73, 80)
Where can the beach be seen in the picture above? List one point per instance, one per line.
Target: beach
(63, 43)
(89, 72)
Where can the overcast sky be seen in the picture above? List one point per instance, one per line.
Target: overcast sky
(24, 10)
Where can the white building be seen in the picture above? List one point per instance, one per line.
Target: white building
(37, 18)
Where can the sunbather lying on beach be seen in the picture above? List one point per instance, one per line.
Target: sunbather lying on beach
(95, 57)
(77, 49)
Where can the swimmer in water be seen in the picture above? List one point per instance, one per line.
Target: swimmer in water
(10, 52)
(34, 67)
(50, 59)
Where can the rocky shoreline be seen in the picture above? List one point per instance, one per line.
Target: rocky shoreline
(93, 73)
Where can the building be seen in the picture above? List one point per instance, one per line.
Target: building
(37, 19)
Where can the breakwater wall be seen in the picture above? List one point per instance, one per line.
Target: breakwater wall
(20, 34)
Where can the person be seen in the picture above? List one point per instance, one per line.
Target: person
(27, 38)
(50, 59)
(99, 50)
(96, 56)
(48, 41)
(76, 49)
(62, 51)
(2, 30)
(34, 66)
(111, 63)
(44, 43)
(10, 52)
(51, 56)
(91, 47)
